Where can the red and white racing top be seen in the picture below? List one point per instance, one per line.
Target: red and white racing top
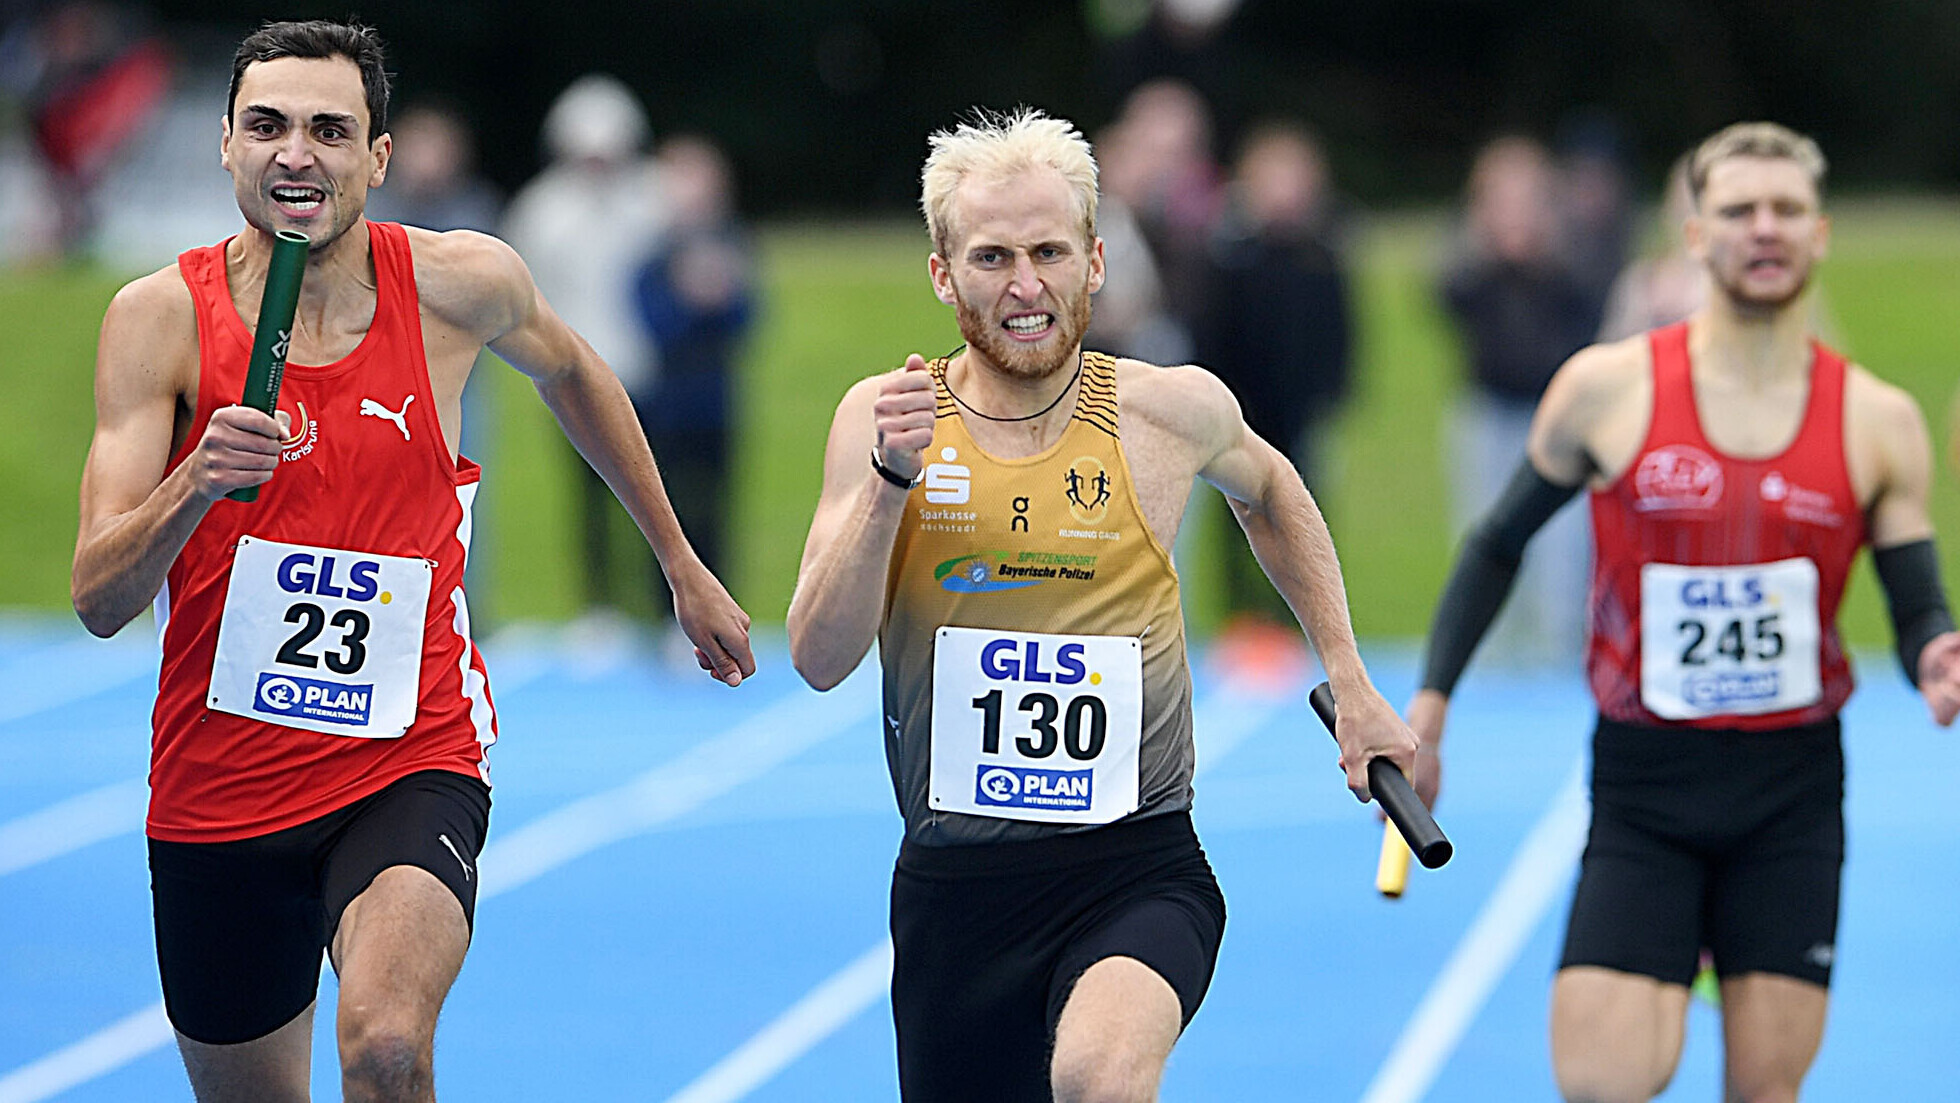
(1716, 579)
(316, 642)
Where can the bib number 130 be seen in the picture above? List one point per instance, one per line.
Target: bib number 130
(1035, 725)
(1085, 725)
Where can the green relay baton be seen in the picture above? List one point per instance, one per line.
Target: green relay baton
(275, 332)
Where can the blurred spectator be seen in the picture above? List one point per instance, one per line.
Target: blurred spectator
(1666, 287)
(584, 225)
(1520, 311)
(696, 296)
(1187, 41)
(1174, 190)
(433, 183)
(1129, 317)
(1278, 329)
(96, 74)
(432, 179)
(1593, 202)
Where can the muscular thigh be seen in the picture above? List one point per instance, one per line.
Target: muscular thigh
(1637, 908)
(984, 964)
(241, 926)
(1773, 902)
(434, 821)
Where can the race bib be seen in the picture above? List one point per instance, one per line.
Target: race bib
(322, 639)
(1735, 641)
(1035, 726)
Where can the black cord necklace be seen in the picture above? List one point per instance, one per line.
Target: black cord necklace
(946, 378)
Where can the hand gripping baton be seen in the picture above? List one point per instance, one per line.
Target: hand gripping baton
(274, 335)
(1404, 808)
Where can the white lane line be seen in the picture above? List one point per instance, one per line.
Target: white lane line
(89, 818)
(810, 1020)
(1488, 949)
(1225, 721)
(51, 677)
(107, 1049)
(709, 769)
(72, 824)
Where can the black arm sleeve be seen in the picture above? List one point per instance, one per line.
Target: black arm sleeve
(1910, 574)
(1484, 571)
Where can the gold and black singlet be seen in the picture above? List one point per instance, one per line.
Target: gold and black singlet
(1035, 679)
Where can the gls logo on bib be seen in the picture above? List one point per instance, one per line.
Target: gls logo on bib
(325, 639)
(1035, 726)
(339, 702)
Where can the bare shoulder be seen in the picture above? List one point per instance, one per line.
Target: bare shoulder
(1874, 405)
(151, 328)
(471, 280)
(1886, 442)
(1186, 400)
(1606, 372)
(161, 300)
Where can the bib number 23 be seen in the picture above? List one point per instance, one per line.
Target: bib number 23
(324, 639)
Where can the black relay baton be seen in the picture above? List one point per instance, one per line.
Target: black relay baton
(274, 335)
(1404, 808)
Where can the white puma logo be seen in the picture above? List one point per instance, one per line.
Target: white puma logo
(468, 873)
(375, 409)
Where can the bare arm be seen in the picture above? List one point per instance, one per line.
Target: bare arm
(479, 284)
(840, 586)
(1291, 541)
(134, 519)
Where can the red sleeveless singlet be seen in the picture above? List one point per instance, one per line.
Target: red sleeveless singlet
(366, 493)
(1718, 552)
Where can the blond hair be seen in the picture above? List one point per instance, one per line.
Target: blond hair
(997, 145)
(1754, 140)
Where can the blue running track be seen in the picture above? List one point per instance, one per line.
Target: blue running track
(684, 896)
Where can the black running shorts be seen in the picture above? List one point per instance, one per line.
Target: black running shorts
(990, 941)
(1728, 840)
(240, 925)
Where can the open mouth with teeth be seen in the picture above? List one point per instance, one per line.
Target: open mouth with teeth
(1029, 325)
(298, 199)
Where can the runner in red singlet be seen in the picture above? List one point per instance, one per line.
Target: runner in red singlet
(318, 768)
(1736, 468)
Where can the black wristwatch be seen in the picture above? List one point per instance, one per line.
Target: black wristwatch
(894, 477)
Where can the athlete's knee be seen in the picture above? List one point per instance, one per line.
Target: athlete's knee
(1602, 1074)
(1597, 1085)
(382, 1062)
(1101, 1078)
(1760, 1089)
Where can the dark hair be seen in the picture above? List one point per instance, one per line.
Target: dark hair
(320, 38)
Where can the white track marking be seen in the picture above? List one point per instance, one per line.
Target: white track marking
(72, 824)
(1488, 949)
(707, 770)
(114, 809)
(1226, 720)
(107, 1049)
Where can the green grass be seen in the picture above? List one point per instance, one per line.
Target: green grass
(842, 301)
(47, 368)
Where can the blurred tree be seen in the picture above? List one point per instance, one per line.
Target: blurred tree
(824, 105)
